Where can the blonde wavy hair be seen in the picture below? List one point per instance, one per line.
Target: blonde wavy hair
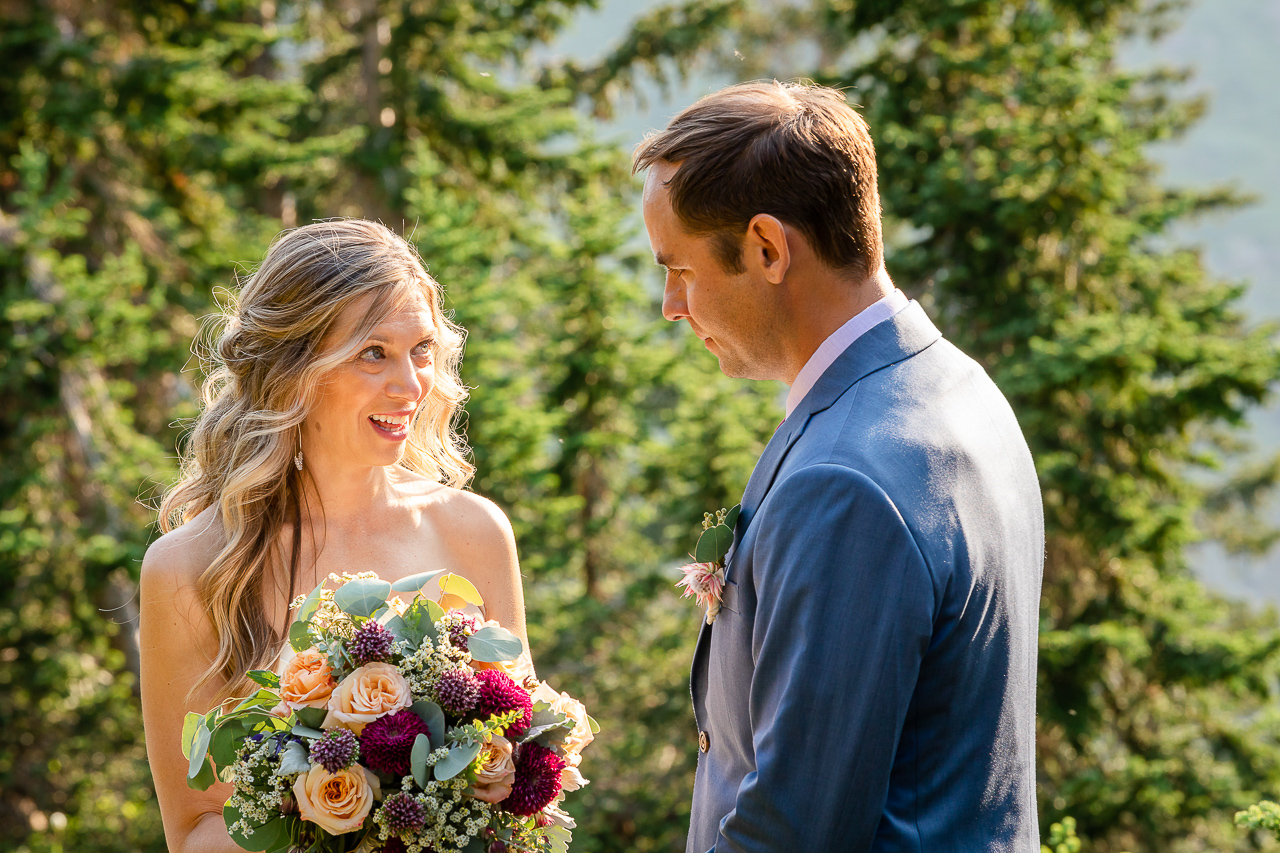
(263, 375)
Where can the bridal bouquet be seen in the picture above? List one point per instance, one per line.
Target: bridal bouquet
(397, 727)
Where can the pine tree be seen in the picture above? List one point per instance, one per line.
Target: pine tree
(136, 144)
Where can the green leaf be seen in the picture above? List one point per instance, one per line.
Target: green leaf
(311, 717)
(361, 597)
(309, 605)
(261, 699)
(269, 837)
(713, 544)
(401, 630)
(415, 583)
(458, 759)
(731, 518)
(265, 677)
(431, 714)
(492, 644)
(307, 732)
(199, 749)
(226, 740)
(418, 759)
(435, 611)
(300, 636)
(595, 727)
(294, 759)
(202, 780)
(190, 724)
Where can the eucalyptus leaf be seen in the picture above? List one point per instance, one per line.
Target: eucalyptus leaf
(199, 749)
(418, 759)
(294, 759)
(203, 779)
(361, 597)
(731, 519)
(492, 644)
(265, 677)
(189, 725)
(713, 544)
(591, 721)
(309, 605)
(435, 611)
(458, 759)
(431, 714)
(300, 636)
(415, 583)
(451, 584)
(307, 732)
(226, 741)
(399, 629)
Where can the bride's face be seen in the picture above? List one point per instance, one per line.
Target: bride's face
(366, 403)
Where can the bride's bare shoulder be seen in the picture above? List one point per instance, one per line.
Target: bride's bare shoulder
(468, 522)
(178, 558)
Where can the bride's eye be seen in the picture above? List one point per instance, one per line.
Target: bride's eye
(426, 349)
(370, 354)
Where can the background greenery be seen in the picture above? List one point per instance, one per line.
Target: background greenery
(149, 150)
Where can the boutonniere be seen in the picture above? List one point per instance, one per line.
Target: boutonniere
(704, 578)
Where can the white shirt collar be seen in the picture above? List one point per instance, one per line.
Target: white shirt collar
(826, 354)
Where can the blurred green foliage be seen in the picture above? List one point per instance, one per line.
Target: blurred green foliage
(148, 151)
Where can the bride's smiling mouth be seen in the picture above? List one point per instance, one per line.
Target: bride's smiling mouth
(392, 426)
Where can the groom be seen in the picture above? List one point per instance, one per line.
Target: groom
(869, 683)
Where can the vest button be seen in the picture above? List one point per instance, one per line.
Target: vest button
(704, 741)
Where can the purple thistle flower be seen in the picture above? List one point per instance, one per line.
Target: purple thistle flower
(457, 691)
(337, 750)
(402, 812)
(371, 643)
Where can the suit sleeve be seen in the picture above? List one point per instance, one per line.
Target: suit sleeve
(844, 615)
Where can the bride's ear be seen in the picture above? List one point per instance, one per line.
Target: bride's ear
(766, 247)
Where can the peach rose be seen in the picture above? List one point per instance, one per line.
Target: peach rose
(571, 778)
(307, 682)
(497, 771)
(365, 695)
(336, 802)
(563, 703)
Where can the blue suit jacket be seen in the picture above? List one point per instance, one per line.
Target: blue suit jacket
(869, 684)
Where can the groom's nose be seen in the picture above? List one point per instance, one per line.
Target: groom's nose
(674, 306)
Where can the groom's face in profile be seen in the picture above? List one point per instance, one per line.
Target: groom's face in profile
(721, 307)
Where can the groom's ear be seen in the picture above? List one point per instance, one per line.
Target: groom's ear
(766, 247)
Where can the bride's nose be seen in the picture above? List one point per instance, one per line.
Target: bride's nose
(408, 382)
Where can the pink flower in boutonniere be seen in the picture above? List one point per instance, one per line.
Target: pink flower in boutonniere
(705, 582)
(704, 579)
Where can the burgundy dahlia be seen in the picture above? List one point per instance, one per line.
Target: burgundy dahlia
(387, 742)
(498, 694)
(537, 780)
(337, 750)
(372, 642)
(457, 691)
(393, 845)
(402, 812)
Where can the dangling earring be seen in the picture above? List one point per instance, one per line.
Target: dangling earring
(297, 460)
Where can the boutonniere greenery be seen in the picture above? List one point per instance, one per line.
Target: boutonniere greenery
(703, 579)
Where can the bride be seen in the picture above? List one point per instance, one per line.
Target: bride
(325, 445)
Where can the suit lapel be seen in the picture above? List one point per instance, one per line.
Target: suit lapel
(900, 337)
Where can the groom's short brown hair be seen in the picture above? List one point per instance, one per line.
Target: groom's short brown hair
(795, 151)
